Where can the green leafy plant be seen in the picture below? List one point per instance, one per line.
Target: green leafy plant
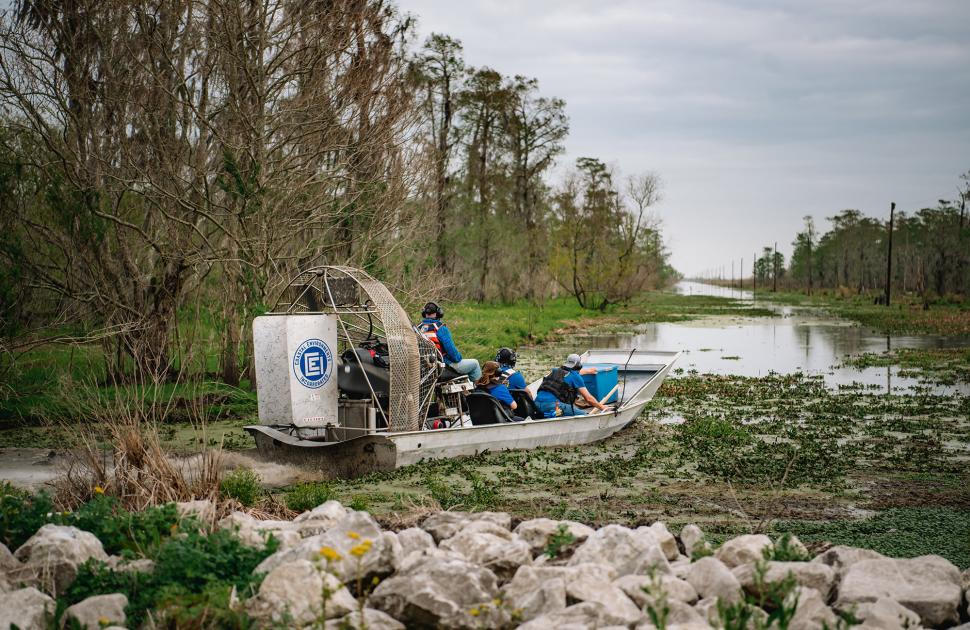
(306, 496)
(22, 514)
(243, 485)
(192, 579)
(484, 494)
(560, 538)
(359, 503)
(784, 551)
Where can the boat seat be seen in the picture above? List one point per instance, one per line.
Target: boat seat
(449, 374)
(525, 406)
(486, 409)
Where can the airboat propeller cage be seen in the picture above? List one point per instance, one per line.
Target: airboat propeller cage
(299, 347)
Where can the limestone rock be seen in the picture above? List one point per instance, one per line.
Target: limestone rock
(638, 587)
(293, 592)
(886, 614)
(928, 585)
(254, 532)
(576, 617)
(691, 535)
(626, 551)
(203, 509)
(491, 546)
(841, 557)
(666, 540)
(809, 574)
(373, 620)
(52, 556)
(27, 608)
(532, 595)
(95, 612)
(537, 531)
(679, 568)
(678, 615)
(707, 609)
(446, 524)
(414, 539)
(7, 560)
(319, 519)
(441, 591)
(711, 578)
(589, 586)
(743, 550)
(811, 612)
(346, 535)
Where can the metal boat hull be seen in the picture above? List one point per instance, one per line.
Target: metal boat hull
(387, 451)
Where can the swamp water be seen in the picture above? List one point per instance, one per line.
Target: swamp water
(796, 339)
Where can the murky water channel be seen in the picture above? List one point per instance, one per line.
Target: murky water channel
(797, 339)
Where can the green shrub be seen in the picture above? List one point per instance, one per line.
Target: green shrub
(306, 496)
(359, 503)
(243, 485)
(560, 538)
(22, 514)
(190, 585)
(120, 531)
(484, 494)
(442, 492)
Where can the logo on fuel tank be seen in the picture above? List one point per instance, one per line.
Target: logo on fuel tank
(313, 363)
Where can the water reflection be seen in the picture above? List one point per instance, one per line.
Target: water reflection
(794, 340)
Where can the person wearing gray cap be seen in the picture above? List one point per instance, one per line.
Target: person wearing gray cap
(560, 388)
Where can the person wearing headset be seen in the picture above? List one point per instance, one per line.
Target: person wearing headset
(506, 358)
(437, 333)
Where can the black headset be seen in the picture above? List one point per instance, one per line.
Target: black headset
(506, 356)
(432, 308)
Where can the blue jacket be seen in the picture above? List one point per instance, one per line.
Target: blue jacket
(500, 392)
(515, 378)
(444, 336)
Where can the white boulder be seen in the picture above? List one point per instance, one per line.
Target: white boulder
(841, 557)
(202, 509)
(743, 550)
(294, 592)
(537, 531)
(491, 546)
(811, 612)
(692, 536)
(441, 591)
(27, 609)
(929, 586)
(663, 537)
(359, 546)
(446, 524)
(886, 614)
(711, 578)
(97, 612)
(627, 551)
(808, 574)
(532, 593)
(51, 556)
(576, 617)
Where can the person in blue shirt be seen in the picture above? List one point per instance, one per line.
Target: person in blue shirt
(506, 358)
(492, 381)
(437, 333)
(560, 388)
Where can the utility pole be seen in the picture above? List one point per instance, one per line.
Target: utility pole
(774, 270)
(889, 254)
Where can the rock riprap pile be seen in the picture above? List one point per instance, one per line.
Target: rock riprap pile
(337, 568)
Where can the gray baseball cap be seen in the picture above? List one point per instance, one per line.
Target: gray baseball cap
(572, 361)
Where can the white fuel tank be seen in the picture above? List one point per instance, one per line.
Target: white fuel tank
(296, 369)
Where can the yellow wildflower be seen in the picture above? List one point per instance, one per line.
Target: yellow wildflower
(376, 581)
(98, 490)
(353, 535)
(330, 554)
(496, 602)
(361, 549)
(474, 612)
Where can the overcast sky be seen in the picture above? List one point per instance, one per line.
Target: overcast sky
(754, 112)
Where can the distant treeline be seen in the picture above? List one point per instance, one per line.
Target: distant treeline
(930, 252)
(173, 161)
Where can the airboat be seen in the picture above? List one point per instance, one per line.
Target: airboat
(348, 386)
